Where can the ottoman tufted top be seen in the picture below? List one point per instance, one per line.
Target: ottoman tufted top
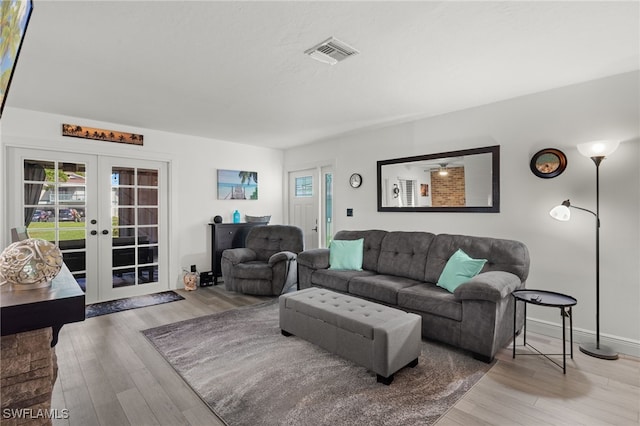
(343, 311)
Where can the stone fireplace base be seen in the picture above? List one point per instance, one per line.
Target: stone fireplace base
(28, 372)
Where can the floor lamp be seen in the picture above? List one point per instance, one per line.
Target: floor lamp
(597, 151)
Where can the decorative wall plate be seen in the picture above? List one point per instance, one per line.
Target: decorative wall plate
(548, 163)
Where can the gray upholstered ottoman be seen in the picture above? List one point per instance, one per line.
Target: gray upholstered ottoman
(378, 337)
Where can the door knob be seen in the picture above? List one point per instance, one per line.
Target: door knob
(105, 231)
(94, 232)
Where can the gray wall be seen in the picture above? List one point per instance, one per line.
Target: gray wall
(562, 254)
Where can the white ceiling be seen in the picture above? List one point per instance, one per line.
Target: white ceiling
(236, 70)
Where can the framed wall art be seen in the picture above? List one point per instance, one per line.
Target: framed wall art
(237, 185)
(16, 15)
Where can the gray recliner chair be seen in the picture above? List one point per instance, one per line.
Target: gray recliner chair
(267, 265)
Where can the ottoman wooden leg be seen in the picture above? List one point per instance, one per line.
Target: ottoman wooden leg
(285, 333)
(384, 380)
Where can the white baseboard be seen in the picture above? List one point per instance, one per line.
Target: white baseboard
(619, 344)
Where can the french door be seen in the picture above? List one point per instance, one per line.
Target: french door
(108, 216)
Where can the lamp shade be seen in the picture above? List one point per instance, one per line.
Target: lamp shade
(598, 148)
(561, 213)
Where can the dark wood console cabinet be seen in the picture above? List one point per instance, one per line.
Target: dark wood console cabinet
(225, 236)
(54, 306)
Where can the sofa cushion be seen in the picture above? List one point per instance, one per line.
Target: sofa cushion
(346, 254)
(371, 249)
(404, 254)
(256, 270)
(432, 299)
(382, 288)
(459, 269)
(502, 255)
(336, 280)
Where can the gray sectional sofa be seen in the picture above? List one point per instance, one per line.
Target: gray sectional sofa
(401, 269)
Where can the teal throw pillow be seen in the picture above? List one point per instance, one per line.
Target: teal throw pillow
(346, 254)
(459, 269)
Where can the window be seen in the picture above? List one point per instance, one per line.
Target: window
(304, 186)
(328, 206)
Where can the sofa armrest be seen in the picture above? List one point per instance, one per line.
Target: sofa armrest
(239, 255)
(492, 286)
(281, 256)
(314, 258)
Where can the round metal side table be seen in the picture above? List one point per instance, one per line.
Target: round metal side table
(545, 298)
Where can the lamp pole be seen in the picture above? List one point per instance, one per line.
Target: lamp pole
(597, 161)
(597, 151)
(597, 350)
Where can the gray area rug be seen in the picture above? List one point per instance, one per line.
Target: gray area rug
(249, 374)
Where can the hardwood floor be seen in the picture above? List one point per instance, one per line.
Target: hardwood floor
(109, 374)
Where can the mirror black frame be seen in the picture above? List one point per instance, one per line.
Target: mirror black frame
(495, 181)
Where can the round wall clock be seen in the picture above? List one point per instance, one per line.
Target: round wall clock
(355, 180)
(548, 163)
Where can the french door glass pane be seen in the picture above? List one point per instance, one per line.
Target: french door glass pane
(123, 176)
(148, 216)
(148, 197)
(123, 196)
(148, 235)
(134, 201)
(55, 207)
(147, 177)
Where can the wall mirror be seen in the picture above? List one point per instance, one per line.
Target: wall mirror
(455, 181)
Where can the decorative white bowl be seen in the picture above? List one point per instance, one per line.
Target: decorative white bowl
(258, 219)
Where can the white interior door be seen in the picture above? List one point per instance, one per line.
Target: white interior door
(304, 204)
(107, 215)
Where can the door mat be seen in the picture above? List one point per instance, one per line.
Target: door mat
(112, 306)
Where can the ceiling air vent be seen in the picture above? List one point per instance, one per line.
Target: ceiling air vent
(331, 51)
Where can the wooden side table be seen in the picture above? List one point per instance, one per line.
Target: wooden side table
(545, 298)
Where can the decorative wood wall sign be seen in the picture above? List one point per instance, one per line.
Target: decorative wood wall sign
(76, 131)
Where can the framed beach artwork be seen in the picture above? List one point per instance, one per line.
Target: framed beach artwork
(15, 18)
(237, 185)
